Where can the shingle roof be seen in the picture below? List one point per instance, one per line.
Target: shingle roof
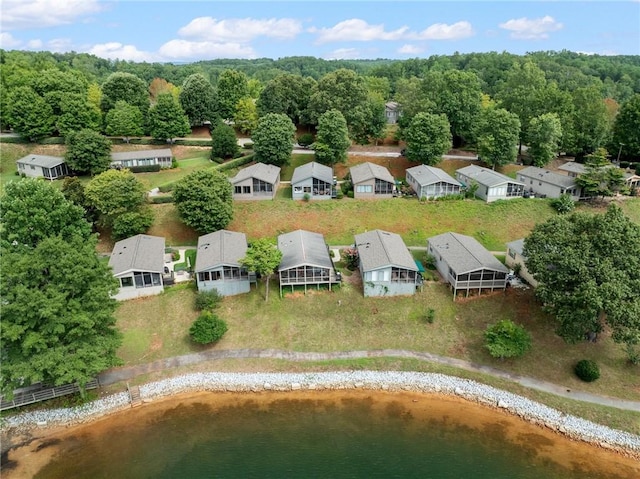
(43, 161)
(485, 176)
(260, 171)
(220, 248)
(367, 171)
(391, 105)
(540, 174)
(302, 247)
(138, 253)
(312, 170)
(379, 248)
(141, 154)
(464, 253)
(573, 167)
(427, 175)
(517, 246)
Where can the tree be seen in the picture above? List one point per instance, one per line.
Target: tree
(246, 116)
(332, 140)
(263, 257)
(88, 152)
(505, 339)
(73, 190)
(76, 113)
(29, 114)
(207, 328)
(601, 178)
(124, 120)
(131, 223)
(288, 94)
(126, 87)
(589, 121)
(204, 200)
(32, 210)
(198, 99)
(498, 137)
(626, 129)
(114, 193)
(273, 139)
(545, 133)
(157, 87)
(232, 86)
(428, 137)
(368, 120)
(167, 120)
(224, 143)
(58, 325)
(588, 270)
(343, 90)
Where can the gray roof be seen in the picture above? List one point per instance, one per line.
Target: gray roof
(302, 247)
(367, 171)
(220, 248)
(540, 174)
(485, 176)
(378, 249)
(141, 154)
(138, 253)
(573, 167)
(391, 105)
(464, 253)
(260, 171)
(43, 161)
(427, 175)
(517, 246)
(312, 170)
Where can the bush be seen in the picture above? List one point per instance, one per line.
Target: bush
(637, 168)
(207, 328)
(247, 146)
(207, 300)
(235, 163)
(624, 164)
(175, 255)
(587, 370)
(157, 200)
(131, 223)
(306, 197)
(174, 162)
(430, 316)
(505, 339)
(144, 168)
(167, 187)
(305, 139)
(563, 204)
(350, 194)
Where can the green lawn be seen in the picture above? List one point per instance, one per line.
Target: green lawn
(296, 160)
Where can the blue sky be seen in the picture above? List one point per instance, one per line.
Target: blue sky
(203, 30)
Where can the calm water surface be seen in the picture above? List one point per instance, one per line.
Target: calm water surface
(351, 438)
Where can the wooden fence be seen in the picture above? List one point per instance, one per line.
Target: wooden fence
(31, 397)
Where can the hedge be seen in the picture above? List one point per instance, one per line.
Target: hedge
(144, 168)
(156, 200)
(235, 163)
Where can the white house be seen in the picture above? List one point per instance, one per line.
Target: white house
(430, 182)
(492, 185)
(256, 182)
(515, 257)
(372, 181)
(42, 166)
(312, 180)
(131, 159)
(544, 182)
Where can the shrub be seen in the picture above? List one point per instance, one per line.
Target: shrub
(430, 261)
(207, 328)
(587, 370)
(144, 168)
(207, 300)
(174, 162)
(306, 197)
(157, 200)
(430, 316)
(175, 255)
(351, 258)
(235, 163)
(563, 204)
(505, 339)
(624, 164)
(637, 168)
(131, 223)
(247, 146)
(166, 188)
(305, 139)
(350, 194)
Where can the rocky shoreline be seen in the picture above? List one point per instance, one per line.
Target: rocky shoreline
(531, 411)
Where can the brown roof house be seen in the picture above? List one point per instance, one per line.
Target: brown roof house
(256, 182)
(372, 181)
(42, 166)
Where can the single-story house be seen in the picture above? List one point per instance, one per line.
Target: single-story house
(544, 182)
(256, 182)
(466, 264)
(392, 112)
(632, 181)
(138, 263)
(372, 181)
(313, 180)
(305, 261)
(42, 166)
(573, 169)
(130, 159)
(430, 182)
(218, 263)
(515, 257)
(492, 185)
(386, 265)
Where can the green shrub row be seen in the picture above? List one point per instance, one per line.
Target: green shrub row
(156, 200)
(236, 162)
(144, 168)
(166, 188)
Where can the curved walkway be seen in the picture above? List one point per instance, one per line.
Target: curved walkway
(126, 373)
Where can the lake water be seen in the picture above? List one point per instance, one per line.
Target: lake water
(319, 436)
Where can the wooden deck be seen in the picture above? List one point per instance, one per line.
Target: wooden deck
(44, 393)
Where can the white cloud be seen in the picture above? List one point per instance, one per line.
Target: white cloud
(442, 31)
(7, 41)
(35, 44)
(19, 14)
(116, 50)
(60, 45)
(410, 50)
(343, 54)
(531, 29)
(183, 49)
(356, 29)
(240, 30)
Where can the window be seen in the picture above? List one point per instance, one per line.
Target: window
(297, 189)
(146, 280)
(246, 190)
(126, 282)
(364, 189)
(237, 190)
(33, 167)
(512, 253)
(204, 276)
(383, 187)
(260, 186)
(307, 189)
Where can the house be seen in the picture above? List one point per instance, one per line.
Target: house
(218, 263)
(392, 112)
(132, 159)
(465, 264)
(515, 257)
(492, 185)
(313, 181)
(256, 182)
(429, 182)
(632, 181)
(372, 181)
(42, 166)
(386, 265)
(305, 261)
(573, 169)
(543, 182)
(138, 263)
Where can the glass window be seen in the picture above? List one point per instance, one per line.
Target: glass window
(307, 189)
(246, 190)
(204, 276)
(237, 190)
(364, 189)
(297, 189)
(126, 282)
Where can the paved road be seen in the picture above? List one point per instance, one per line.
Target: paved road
(127, 373)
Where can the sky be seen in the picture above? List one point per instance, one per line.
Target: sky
(186, 31)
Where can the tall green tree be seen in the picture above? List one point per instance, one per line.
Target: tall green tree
(124, 120)
(58, 325)
(289, 94)
(368, 120)
(601, 178)
(428, 137)
(198, 99)
(626, 129)
(204, 200)
(273, 139)
(343, 90)
(263, 257)
(166, 120)
(29, 114)
(589, 121)
(332, 140)
(498, 134)
(232, 86)
(224, 142)
(126, 87)
(246, 116)
(88, 151)
(585, 281)
(76, 113)
(545, 134)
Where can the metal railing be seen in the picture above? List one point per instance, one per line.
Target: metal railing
(22, 399)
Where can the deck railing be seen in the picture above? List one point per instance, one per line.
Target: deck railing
(22, 399)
